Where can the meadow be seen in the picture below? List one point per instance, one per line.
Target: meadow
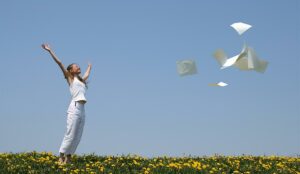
(46, 162)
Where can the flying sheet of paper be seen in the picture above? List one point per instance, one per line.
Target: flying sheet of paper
(240, 27)
(223, 60)
(220, 84)
(246, 60)
(186, 67)
(229, 62)
(249, 61)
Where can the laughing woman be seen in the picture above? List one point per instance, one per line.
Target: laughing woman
(75, 112)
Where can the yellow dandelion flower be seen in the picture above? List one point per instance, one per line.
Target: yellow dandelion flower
(101, 169)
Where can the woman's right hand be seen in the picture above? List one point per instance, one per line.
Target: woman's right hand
(46, 47)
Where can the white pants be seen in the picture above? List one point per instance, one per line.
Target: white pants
(75, 124)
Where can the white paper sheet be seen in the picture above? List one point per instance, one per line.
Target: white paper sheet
(240, 27)
(246, 60)
(249, 61)
(222, 59)
(220, 84)
(186, 67)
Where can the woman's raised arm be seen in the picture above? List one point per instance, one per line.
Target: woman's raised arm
(87, 73)
(47, 48)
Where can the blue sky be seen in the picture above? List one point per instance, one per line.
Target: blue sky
(137, 103)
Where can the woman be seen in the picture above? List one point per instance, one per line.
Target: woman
(76, 112)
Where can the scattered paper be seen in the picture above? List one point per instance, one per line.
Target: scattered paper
(223, 60)
(240, 27)
(220, 84)
(186, 67)
(246, 60)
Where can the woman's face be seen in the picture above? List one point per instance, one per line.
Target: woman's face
(75, 69)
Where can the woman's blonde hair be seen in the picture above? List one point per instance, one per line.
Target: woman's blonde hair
(79, 77)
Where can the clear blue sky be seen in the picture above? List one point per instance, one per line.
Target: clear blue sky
(137, 103)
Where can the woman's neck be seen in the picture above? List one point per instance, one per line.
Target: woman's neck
(75, 75)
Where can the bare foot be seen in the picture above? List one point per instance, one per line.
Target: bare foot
(67, 159)
(61, 160)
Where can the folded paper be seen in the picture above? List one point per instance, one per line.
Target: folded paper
(223, 60)
(186, 67)
(246, 60)
(220, 84)
(240, 27)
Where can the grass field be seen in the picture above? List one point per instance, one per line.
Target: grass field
(46, 162)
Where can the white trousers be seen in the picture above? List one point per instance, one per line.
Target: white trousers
(75, 124)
